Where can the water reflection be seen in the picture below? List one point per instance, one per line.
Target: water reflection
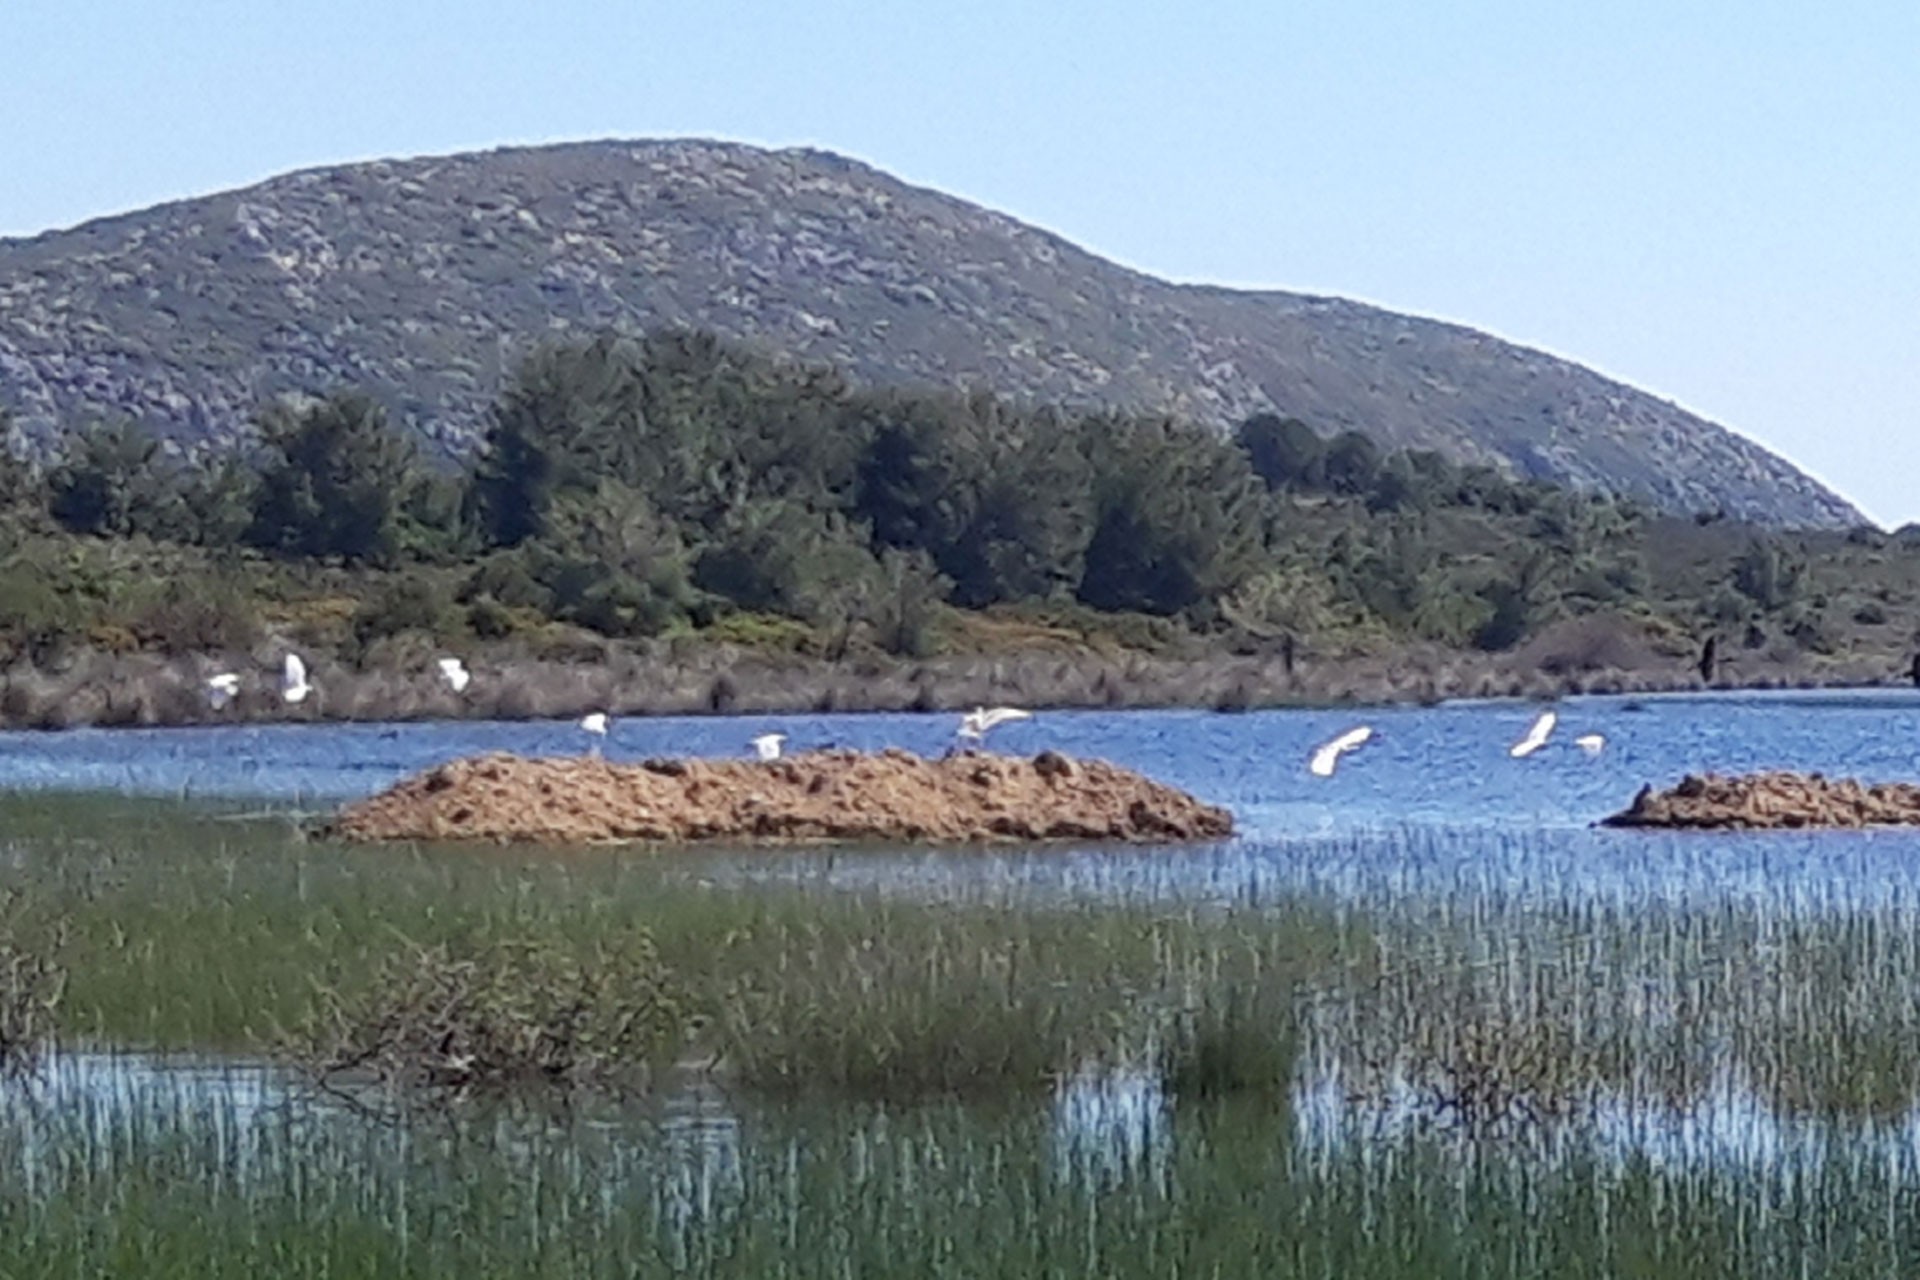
(1110, 1125)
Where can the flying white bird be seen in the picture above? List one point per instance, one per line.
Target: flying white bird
(767, 745)
(1327, 758)
(1591, 743)
(1536, 736)
(222, 689)
(455, 673)
(293, 680)
(978, 722)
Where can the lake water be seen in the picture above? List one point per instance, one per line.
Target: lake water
(1710, 1040)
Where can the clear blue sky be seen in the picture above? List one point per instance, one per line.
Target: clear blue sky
(1712, 200)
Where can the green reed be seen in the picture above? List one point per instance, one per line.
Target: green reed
(151, 1184)
(185, 932)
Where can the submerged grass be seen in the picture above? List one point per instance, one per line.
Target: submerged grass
(932, 1191)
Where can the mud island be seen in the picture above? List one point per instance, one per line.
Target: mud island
(1772, 800)
(967, 797)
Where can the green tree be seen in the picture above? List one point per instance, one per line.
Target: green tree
(1768, 575)
(1352, 462)
(563, 424)
(1176, 521)
(22, 489)
(1515, 602)
(115, 482)
(1001, 499)
(1285, 453)
(335, 481)
(783, 557)
(612, 563)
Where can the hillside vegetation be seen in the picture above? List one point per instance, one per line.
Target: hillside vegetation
(675, 488)
(422, 283)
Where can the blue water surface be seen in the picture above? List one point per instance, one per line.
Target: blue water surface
(1460, 817)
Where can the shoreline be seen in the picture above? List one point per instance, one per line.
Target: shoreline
(149, 691)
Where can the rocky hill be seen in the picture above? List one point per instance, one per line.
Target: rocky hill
(425, 280)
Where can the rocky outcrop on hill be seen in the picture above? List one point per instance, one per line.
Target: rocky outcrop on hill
(1768, 800)
(424, 281)
(818, 796)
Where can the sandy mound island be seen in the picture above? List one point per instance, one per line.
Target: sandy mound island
(1765, 800)
(826, 795)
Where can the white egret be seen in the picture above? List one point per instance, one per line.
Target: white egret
(455, 673)
(767, 745)
(293, 680)
(977, 723)
(1327, 758)
(222, 689)
(1536, 736)
(594, 724)
(1591, 743)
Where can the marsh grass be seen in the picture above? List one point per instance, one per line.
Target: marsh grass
(143, 1186)
(1243, 1041)
(835, 1027)
(408, 962)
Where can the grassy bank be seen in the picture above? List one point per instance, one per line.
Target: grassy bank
(694, 677)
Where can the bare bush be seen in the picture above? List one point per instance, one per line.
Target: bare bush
(440, 1024)
(32, 982)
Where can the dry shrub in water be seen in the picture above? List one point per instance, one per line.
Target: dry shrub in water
(440, 1024)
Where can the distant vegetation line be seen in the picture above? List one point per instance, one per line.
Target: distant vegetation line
(673, 484)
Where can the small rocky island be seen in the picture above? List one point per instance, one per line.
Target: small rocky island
(1759, 801)
(970, 796)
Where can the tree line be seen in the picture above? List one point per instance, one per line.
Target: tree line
(632, 485)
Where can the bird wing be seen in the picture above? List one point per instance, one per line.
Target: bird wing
(451, 668)
(1354, 737)
(293, 672)
(1328, 756)
(1536, 735)
(1002, 715)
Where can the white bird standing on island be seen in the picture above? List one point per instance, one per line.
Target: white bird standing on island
(767, 745)
(222, 689)
(1536, 736)
(293, 680)
(455, 673)
(977, 723)
(1327, 758)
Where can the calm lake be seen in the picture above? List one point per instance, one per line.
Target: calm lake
(1549, 1048)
